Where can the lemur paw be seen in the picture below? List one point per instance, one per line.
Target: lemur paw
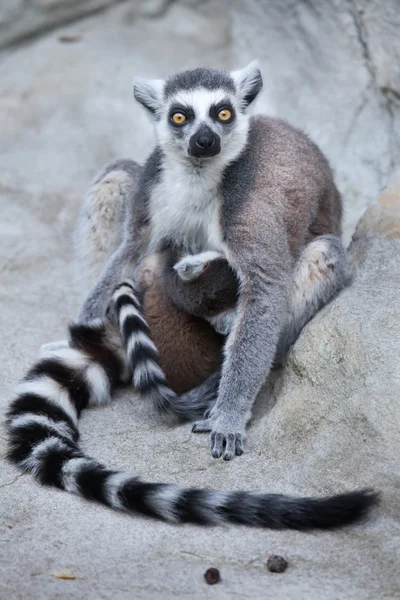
(227, 440)
(190, 267)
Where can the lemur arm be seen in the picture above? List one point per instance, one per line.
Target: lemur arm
(260, 254)
(212, 291)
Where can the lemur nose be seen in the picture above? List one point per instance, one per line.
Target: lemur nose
(204, 143)
(205, 140)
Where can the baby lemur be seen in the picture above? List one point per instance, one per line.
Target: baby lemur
(225, 202)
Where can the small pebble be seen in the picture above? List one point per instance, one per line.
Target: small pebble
(212, 576)
(276, 564)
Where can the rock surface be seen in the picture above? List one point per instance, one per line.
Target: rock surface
(328, 421)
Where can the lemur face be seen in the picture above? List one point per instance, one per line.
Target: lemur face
(201, 114)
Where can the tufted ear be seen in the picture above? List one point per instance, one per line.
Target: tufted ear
(149, 93)
(248, 82)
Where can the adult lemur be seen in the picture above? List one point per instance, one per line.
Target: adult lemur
(254, 190)
(253, 196)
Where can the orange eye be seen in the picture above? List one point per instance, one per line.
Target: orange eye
(224, 114)
(178, 118)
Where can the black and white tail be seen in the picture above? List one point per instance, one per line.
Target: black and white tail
(142, 355)
(43, 440)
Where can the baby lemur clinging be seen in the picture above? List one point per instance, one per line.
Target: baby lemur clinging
(251, 199)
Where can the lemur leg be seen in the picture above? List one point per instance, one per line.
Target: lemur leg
(108, 206)
(101, 220)
(190, 267)
(116, 270)
(320, 273)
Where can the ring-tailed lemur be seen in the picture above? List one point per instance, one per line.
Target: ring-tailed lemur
(252, 189)
(290, 267)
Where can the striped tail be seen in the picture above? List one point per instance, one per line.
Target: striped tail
(43, 440)
(148, 377)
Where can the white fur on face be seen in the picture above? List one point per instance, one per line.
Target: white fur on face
(233, 136)
(184, 204)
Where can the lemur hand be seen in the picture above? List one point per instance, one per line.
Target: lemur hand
(190, 267)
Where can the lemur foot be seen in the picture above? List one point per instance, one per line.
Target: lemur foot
(190, 267)
(228, 435)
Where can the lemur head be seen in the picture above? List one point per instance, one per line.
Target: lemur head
(202, 113)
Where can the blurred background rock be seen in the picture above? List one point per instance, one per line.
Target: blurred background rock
(332, 68)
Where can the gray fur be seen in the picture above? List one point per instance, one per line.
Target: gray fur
(209, 79)
(264, 237)
(211, 292)
(245, 84)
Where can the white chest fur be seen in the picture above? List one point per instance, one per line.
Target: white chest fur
(184, 207)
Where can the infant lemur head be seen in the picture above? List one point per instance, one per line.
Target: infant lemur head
(201, 114)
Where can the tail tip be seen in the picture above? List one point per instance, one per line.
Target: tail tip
(367, 500)
(354, 507)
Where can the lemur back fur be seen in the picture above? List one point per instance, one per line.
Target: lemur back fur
(267, 204)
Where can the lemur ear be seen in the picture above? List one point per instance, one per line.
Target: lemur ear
(249, 82)
(149, 93)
